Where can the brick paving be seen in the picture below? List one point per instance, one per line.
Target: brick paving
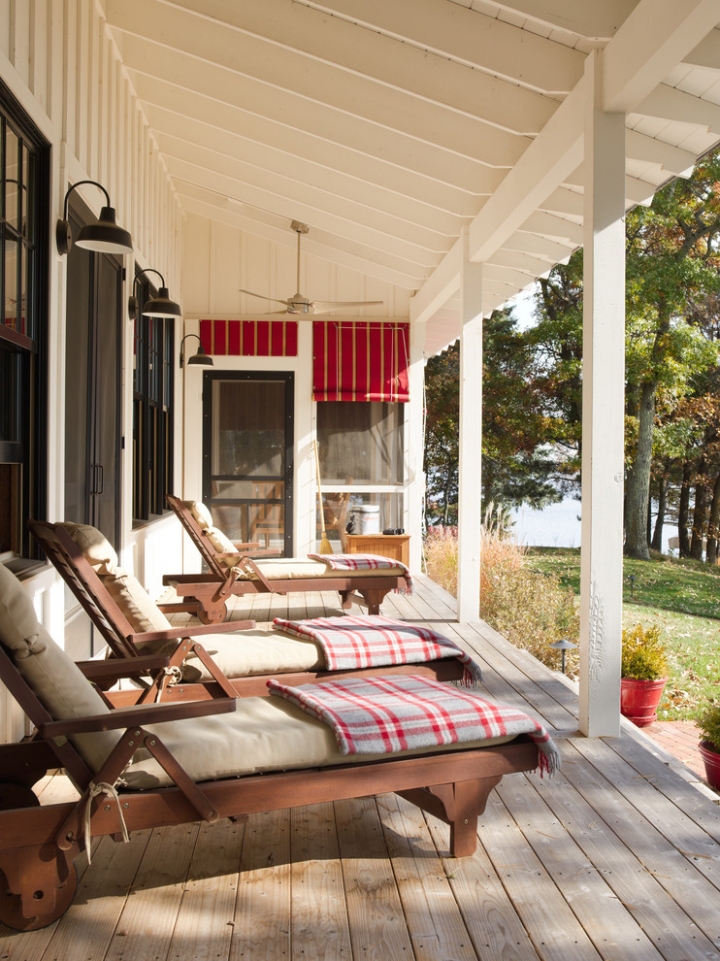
(679, 738)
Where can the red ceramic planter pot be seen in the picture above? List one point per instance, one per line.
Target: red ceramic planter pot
(639, 700)
(712, 764)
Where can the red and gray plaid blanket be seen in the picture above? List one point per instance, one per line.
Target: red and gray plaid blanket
(376, 715)
(364, 562)
(375, 641)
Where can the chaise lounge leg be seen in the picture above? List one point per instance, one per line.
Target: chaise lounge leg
(37, 885)
(459, 804)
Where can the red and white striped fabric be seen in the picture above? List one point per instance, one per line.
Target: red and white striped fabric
(363, 562)
(375, 641)
(376, 715)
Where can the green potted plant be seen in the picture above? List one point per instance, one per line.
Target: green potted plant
(643, 674)
(709, 724)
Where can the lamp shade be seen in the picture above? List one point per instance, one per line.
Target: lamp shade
(201, 358)
(105, 235)
(162, 306)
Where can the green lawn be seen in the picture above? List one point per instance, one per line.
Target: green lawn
(682, 597)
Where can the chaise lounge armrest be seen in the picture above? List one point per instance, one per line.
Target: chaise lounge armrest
(115, 668)
(190, 631)
(135, 716)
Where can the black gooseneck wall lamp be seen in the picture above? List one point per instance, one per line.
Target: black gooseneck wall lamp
(200, 359)
(158, 306)
(104, 235)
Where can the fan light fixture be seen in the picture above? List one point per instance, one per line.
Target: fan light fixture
(158, 306)
(104, 235)
(200, 359)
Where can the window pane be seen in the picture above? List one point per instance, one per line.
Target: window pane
(9, 403)
(12, 176)
(11, 284)
(360, 442)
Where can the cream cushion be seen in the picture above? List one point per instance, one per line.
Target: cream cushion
(263, 734)
(55, 679)
(259, 652)
(220, 541)
(275, 568)
(98, 551)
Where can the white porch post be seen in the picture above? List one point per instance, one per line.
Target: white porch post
(470, 440)
(602, 420)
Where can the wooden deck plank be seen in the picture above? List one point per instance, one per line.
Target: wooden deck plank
(489, 914)
(604, 918)
(261, 930)
(205, 920)
(434, 920)
(150, 912)
(320, 928)
(378, 929)
(553, 927)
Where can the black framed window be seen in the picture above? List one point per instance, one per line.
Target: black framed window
(154, 350)
(24, 205)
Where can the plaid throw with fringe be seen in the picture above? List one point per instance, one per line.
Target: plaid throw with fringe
(365, 562)
(376, 715)
(375, 641)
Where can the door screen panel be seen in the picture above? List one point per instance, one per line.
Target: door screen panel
(248, 457)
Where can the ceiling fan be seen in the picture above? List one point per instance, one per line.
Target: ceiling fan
(297, 304)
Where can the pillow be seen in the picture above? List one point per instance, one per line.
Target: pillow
(201, 513)
(136, 604)
(55, 679)
(98, 551)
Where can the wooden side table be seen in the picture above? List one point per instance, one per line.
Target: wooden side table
(395, 546)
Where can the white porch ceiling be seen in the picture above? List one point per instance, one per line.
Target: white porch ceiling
(389, 126)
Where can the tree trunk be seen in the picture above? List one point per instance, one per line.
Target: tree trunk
(700, 515)
(660, 519)
(638, 479)
(684, 512)
(714, 524)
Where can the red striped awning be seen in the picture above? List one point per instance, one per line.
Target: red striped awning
(360, 361)
(250, 338)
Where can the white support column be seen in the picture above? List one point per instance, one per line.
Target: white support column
(603, 406)
(470, 447)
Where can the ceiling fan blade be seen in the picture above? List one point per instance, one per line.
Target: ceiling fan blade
(327, 306)
(262, 296)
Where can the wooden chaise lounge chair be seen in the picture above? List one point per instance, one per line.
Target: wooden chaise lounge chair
(133, 626)
(232, 573)
(166, 764)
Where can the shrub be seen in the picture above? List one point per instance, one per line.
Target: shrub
(530, 609)
(709, 724)
(643, 656)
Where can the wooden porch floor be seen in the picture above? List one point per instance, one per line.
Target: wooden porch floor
(618, 857)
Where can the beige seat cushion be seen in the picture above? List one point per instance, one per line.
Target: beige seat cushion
(275, 568)
(218, 539)
(264, 734)
(258, 652)
(98, 551)
(55, 679)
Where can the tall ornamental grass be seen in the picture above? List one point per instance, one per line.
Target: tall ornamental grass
(530, 609)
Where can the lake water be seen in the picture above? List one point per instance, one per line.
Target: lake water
(559, 526)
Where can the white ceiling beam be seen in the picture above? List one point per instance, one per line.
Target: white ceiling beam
(532, 266)
(668, 103)
(593, 19)
(676, 161)
(412, 241)
(195, 200)
(706, 53)
(143, 58)
(380, 58)
(469, 37)
(545, 249)
(198, 134)
(440, 286)
(240, 55)
(388, 168)
(656, 35)
(400, 256)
